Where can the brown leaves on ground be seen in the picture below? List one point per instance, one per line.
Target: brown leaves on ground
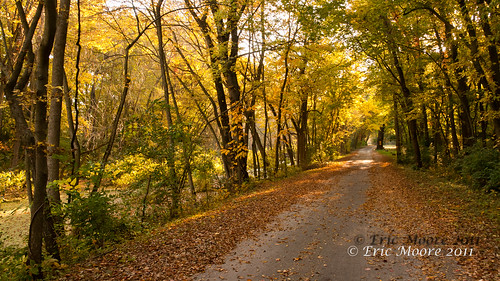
(415, 203)
(186, 247)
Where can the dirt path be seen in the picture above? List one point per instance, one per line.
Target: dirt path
(325, 238)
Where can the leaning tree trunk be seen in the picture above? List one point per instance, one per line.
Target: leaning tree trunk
(223, 57)
(412, 122)
(224, 121)
(278, 119)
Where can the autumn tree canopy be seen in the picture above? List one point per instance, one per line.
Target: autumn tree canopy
(172, 104)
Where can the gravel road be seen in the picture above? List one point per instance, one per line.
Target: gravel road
(320, 239)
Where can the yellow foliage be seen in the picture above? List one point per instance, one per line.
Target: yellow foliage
(12, 181)
(130, 169)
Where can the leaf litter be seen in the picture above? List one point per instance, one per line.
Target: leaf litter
(417, 203)
(186, 247)
(403, 205)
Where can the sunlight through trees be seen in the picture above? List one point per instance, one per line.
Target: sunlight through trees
(180, 104)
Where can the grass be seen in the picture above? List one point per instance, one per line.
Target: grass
(474, 205)
(14, 223)
(391, 152)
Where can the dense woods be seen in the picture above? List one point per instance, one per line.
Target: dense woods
(119, 115)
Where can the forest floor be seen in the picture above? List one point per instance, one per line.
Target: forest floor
(322, 224)
(14, 222)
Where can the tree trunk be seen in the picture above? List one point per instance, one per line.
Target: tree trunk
(425, 125)
(75, 145)
(187, 146)
(39, 210)
(412, 122)
(451, 116)
(255, 136)
(288, 144)
(215, 61)
(380, 138)
(462, 88)
(436, 132)
(397, 129)
(166, 94)
(265, 162)
(240, 145)
(301, 129)
(24, 133)
(54, 126)
(278, 117)
(116, 120)
(488, 84)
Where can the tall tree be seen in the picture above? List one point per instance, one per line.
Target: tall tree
(54, 122)
(222, 43)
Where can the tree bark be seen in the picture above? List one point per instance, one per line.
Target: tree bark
(397, 129)
(75, 145)
(240, 145)
(407, 96)
(489, 85)
(224, 127)
(278, 117)
(462, 92)
(301, 128)
(15, 82)
(54, 126)
(425, 125)
(40, 211)
(451, 116)
(288, 144)
(380, 138)
(462, 88)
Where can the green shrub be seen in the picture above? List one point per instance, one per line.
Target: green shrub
(93, 219)
(426, 156)
(480, 167)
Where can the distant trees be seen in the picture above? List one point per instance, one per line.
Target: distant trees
(442, 57)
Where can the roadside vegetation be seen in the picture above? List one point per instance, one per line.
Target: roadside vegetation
(117, 117)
